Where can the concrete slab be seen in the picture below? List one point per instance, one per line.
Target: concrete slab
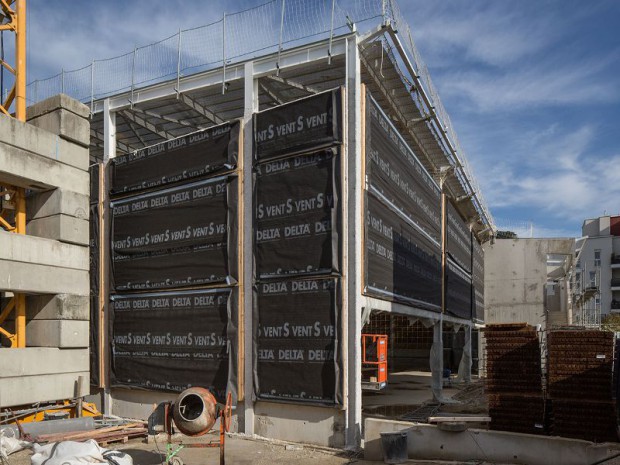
(57, 202)
(42, 143)
(22, 390)
(58, 307)
(63, 228)
(42, 279)
(428, 442)
(34, 361)
(37, 250)
(66, 124)
(27, 169)
(65, 334)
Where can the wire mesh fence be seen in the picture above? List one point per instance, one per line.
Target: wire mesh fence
(270, 27)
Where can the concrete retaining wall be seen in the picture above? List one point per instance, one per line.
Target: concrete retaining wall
(427, 442)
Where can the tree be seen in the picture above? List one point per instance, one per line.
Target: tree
(506, 235)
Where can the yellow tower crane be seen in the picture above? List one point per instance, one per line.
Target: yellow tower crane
(13, 19)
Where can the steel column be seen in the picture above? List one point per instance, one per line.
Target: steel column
(352, 280)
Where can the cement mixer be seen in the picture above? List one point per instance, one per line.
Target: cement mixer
(193, 413)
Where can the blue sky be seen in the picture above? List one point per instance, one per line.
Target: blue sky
(532, 87)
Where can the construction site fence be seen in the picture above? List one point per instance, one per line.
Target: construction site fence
(271, 27)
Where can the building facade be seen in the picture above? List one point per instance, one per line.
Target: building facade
(595, 278)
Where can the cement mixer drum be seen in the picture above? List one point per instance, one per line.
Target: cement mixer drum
(195, 411)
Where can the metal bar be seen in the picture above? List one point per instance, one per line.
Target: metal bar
(331, 34)
(124, 147)
(280, 40)
(5, 224)
(7, 310)
(20, 57)
(135, 131)
(92, 87)
(223, 53)
(11, 337)
(133, 74)
(62, 80)
(178, 63)
(165, 118)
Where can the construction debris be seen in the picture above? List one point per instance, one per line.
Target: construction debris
(103, 436)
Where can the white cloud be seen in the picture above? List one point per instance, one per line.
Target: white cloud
(535, 86)
(559, 173)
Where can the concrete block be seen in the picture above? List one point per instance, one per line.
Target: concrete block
(35, 361)
(322, 426)
(57, 202)
(63, 122)
(41, 388)
(59, 101)
(42, 143)
(57, 333)
(61, 228)
(427, 442)
(38, 250)
(42, 279)
(58, 307)
(67, 125)
(22, 168)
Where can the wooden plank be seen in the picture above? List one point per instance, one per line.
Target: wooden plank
(241, 266)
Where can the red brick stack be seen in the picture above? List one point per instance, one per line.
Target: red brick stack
(514, 378)
(580, 381)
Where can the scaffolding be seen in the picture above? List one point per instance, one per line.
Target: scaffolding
(272, 27)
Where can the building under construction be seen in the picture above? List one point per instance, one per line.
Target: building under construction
(259, 203)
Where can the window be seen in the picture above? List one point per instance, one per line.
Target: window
(597, 257)
(592, 278)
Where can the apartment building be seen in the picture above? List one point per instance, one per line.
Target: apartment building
(595, 280)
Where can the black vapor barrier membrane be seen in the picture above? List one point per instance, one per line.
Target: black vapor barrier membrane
(401, 263)
(459, 239)
(176, 237)
(298, 341)
(458, 298)
(305, 124)
(169, 341)
(394, 171)
(93, 244)
(297, 215)
(478, 280)
(182, 159)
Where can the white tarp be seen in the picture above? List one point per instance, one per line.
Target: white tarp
(77, 453)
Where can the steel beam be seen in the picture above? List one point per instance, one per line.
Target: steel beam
(272, 95)
(141, 121)
(264, 66)
(121, 145)
(294, 84)
(199, 108)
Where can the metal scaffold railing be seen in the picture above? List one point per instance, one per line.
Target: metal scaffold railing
(267, 28)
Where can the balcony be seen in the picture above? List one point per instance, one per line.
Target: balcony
(615, 261)
(615, 284)
(615, 304)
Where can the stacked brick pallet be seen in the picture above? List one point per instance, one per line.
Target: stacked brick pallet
(580, 385)
(514, 380)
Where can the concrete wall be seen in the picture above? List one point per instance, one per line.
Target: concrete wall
(515, 276)
(49, 157)
(428, 442)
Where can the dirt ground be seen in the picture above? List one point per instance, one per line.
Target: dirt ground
(239, 451)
